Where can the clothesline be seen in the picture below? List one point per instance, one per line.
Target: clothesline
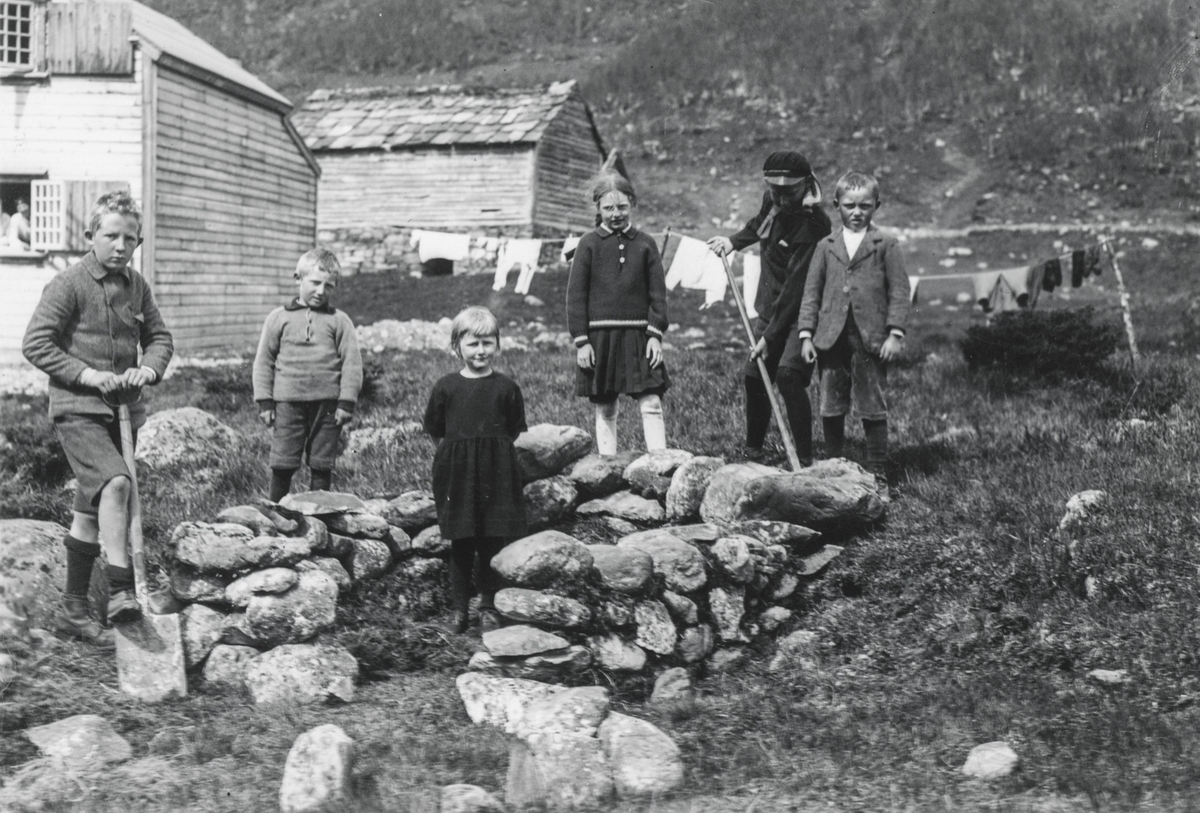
(968, 274)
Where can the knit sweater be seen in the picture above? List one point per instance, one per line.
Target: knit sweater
(90, 317)
(616, 281)
(307, 354)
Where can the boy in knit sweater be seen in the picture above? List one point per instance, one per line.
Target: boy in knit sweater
(307, 375)
(86, 334)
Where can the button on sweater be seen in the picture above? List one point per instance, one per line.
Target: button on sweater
(307, 354)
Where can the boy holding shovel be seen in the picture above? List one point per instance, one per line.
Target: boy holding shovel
(85, 334)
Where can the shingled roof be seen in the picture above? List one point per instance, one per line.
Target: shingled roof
(397, 118)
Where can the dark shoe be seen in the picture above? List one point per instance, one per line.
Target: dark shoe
(489, 620)
(123, 607)
(457, 624)
(77, 623)
(754, 454)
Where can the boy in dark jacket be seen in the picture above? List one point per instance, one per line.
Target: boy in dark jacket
(85, 334)
(789, 224)
(852, 319)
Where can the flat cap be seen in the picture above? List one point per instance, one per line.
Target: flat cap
(785, 168)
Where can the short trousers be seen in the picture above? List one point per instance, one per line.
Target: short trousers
(305, 429)
(92, 444)
(787, 356)
(852, 376)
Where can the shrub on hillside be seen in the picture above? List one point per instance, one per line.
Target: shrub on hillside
(1041, 342)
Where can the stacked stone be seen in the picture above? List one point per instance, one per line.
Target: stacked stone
(261, 584)
(668, 593)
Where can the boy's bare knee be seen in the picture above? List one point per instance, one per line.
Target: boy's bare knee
(608, 409)
(117, 488)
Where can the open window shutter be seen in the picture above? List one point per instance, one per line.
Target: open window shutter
(46, 211)
(89, 37)
(61, 211)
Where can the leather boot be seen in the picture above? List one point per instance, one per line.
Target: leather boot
(123, 607)
(76, 622)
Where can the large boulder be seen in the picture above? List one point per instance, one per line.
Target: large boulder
(317, 772)
(830, 494)
(614, 653)
(297, 614)
(624, 505)
(201, 627)
(655, 631)
(625, 570)
(543, 559)
(679, 563)
(322, 503)
(557, 761)
(598, 475)
(545, 449)
(533, 607)
(548, 501)
(226, 546)
(226, 665)
(412, 511)
(645, 761)
(554, 666)
(520, 640)
(688, 485)
(271, 580)
(363, 525)
(500, 702)
(726, 488)
(368, 558)
(32, 574)
(302, 673)
(187, 437)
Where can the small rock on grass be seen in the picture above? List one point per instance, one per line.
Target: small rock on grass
(1109, 677)
(316, 775)
(1080, 506)
(302, 673)
(469, 799)
(644, 760)
(991, 760)
(672, 684)
(498, 701)
(82, 741)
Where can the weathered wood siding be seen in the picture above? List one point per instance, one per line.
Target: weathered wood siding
(89, 37)
(235, 207)
(74, 128)
(430, 187)
(567, 156)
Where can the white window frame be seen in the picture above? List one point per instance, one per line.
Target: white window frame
(47, 216)
(33, 33)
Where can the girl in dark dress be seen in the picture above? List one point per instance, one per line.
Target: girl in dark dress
(617, 314)
(475, 415)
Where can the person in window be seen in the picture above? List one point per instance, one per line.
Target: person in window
(18, 232)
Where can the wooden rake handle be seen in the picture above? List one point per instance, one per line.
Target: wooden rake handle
(785, 429)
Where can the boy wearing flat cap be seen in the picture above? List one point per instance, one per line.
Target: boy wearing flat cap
(789, 225)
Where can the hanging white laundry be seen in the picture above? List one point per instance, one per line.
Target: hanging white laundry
(522, 252)
(751, 271)
(568, 246)
(433, 245)
(692, 258)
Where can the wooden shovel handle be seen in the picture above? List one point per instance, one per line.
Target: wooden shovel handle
(137, 551)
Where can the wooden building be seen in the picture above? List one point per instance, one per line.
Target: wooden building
(485, 161)
(104, 94)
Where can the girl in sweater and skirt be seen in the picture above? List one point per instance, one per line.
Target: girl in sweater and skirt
(617, 314)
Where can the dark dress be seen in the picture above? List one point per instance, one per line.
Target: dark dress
(476, 479)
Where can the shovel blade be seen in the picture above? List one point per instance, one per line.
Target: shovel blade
(150, 661)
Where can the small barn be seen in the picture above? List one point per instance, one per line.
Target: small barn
(485, 161)
(108, 94)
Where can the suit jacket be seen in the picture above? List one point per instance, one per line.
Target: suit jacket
(873, 285)
(90, 318)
